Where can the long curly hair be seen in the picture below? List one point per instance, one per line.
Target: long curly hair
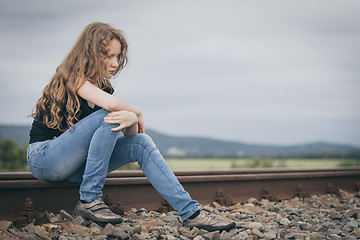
(59, 103)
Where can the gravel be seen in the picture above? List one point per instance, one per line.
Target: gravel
(313, 218)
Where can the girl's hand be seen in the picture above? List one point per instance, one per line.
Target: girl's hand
(124, 118)
(141, 127)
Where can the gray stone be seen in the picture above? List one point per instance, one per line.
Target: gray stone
(334, 236)
(99, 237)
(270, 235)
(137, 236)
(256, 225)
(347, 228)
(41, 232)
(322, 230)
(80, 221)
(284, 221)
(30, 236)
(108, 230)
(52, 218)
(146, 235)
(351, 213)
(300, 236)
(338, 226)
(195, 231)
(316, 236)
(235, 231)
(95, 229)
(154, 235)
(335, 216)
(186, 232)
(65, 215)
(67, 238)
(121, 234)
(258, 218)
(135, 230)
(241, 235)
(303, 226)
(173, 221)
(256, 232)
(352, 224)
(170, 237)
(254, 201)
(217, 205)
(289, 235)
(351, 238)
(172, 231)
(211, 235)
(13, 231)
(225, 236)
(181, 238)
(5, 225)
(274, 209)
(30, 228)
(208, 209)
(142, 210)
(334, 231)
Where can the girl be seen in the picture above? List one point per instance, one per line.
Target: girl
(76, 132)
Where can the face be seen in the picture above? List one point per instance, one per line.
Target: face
(112, 59)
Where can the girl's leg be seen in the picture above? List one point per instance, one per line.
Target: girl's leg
(86, 147)
(142, 149)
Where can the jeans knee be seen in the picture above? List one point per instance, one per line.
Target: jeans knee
(109, 125)
(103, 113)
(146, 140)
(146, 149)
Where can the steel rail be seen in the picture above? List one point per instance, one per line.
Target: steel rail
(132, 189)
(136, 173)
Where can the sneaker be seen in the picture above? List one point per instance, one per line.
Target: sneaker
(96, 211)
(209, 222)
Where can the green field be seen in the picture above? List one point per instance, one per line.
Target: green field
(233, 163)
(226, 163)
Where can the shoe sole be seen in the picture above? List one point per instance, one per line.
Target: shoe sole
(224, 228)
(89, 216)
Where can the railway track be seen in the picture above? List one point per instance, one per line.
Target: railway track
(21, 195)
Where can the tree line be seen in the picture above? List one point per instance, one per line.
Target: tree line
(12, 156)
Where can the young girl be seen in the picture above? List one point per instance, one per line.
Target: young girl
(76, 132)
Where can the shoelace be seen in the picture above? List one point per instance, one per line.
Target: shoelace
(212, 218)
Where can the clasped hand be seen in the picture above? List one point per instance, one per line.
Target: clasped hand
(124, 118)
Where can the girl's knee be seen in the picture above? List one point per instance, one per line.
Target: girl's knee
(102, 114)
(145, 139)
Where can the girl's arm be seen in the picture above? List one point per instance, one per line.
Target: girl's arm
(108, 101)
(128, 122)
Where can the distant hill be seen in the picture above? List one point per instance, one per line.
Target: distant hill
(203, 147)
(206, 147)
(18, 133)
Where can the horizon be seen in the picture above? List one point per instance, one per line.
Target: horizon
(224, 140)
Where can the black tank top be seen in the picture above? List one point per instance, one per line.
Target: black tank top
(40, 132)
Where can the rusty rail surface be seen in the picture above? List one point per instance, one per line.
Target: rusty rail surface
(21, 194)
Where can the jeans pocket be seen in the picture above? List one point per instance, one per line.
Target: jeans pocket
(38, 164)
(44, 173)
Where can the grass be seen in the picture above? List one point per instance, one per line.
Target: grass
(232, 163)
(219, 163)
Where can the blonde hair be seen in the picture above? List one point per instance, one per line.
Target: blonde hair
(59, 103)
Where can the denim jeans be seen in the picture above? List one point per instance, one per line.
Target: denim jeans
(89, 150)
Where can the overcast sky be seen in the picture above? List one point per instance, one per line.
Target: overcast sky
(278, 72)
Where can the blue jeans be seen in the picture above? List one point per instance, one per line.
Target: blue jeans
(89, 150)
